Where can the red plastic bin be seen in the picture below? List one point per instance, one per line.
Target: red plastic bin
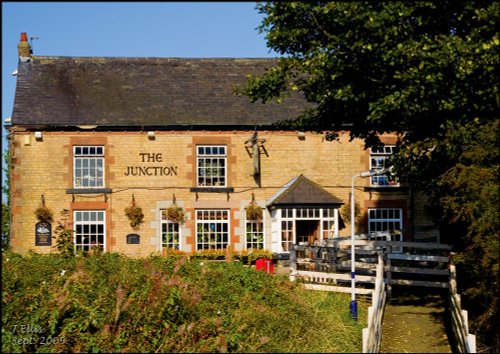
(264, 264)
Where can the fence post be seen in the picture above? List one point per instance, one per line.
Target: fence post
(333, 258)
(388, 273)
(372, 334)
(465, 342)
(453, 275)
(317, 258)
(293, 263)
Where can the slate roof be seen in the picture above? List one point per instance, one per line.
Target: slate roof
(143, 92)
(302, 191)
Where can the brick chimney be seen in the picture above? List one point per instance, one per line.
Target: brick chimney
(24, 48)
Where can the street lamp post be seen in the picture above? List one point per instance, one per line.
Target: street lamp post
(353, 306)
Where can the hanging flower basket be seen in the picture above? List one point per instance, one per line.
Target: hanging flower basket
(175, 213)
(44, 214)
(135, 215)
(254, 212)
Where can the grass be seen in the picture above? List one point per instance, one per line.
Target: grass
(113, 303)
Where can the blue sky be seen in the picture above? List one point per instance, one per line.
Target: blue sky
(127, 29)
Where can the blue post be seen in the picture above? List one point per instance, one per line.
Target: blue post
(353, 306)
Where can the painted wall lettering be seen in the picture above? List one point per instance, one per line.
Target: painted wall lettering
(151, 171)
(148, 157)
(151, 157)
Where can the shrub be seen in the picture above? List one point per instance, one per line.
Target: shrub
(64, 236)
(345, 212)
(113, 303)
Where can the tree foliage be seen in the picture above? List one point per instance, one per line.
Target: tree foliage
(426, 70)
(5, 226)
(383, 66)
(469, 195)
(64, 235)
(5, 244)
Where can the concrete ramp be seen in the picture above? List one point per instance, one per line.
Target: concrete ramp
(415, 322)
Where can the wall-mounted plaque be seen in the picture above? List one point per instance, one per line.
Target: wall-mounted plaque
(133, 239)
(43, 234)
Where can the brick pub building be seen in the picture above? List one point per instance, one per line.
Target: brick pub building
(94, 135)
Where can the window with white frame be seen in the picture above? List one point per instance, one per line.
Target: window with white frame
(255, 234)
(326, 224)
(211, 165)
(170, 233)
(386, 220)
(287, 229)
(287, 235)
(90, 229)
(378, 157)
(212, 229)
(328, 227)
(88, 170)
(307, 213)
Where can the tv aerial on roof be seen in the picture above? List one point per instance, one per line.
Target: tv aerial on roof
(31, 42)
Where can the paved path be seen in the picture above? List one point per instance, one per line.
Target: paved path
(415, 323)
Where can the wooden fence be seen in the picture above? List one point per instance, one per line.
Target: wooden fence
(423, 264)
(372, 334)
(327, 267)
(464, 341)
(320, 268)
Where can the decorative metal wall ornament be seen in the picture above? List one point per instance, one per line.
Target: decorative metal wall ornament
(254, 145)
